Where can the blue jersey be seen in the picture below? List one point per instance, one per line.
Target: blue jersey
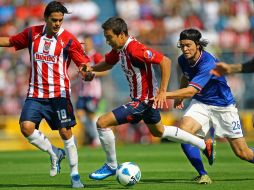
(212, 90)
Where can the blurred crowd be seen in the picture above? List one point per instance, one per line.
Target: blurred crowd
(227, 24)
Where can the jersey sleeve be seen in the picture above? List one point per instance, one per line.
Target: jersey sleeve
(112, 57)
(77, 53)
(145, 54)
(203, 75)
(21, 40)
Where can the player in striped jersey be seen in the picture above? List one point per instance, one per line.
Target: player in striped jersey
(51, 50)
(136, 61)
(212, 102)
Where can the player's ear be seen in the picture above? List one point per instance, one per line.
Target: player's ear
(198, 46)
(122, 35)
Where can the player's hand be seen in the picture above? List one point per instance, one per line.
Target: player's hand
(160, 100)
(220, 69)
(86, 73)
(178, 104)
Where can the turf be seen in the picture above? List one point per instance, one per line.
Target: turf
(163, 166)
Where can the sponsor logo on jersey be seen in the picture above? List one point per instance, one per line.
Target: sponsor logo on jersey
(148, 54)
(45, 58)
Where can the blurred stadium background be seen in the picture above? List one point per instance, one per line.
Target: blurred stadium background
(227, 24)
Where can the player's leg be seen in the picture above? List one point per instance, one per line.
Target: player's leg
(91, 108)
(153, 120)
(241, 149)
(196, 120)
(228, 123)
(29, 121)
(92, 129)
(123, 114)
(185, 135)
(72, 155)
(60, 116)
(81, 114)
(193, 155)
(86, 112)
(107, 139)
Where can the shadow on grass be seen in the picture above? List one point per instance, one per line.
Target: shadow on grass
(147, 181)
(244, 179)
(151, 181)
(34, 185)
(60, 186)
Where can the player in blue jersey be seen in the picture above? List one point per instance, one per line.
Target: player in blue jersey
(212, 102)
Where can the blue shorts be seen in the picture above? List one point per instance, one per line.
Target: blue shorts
(89, 104)
(135, 111)
(58, 112)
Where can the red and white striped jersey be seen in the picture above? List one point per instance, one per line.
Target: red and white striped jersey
(50, 58)
(136, 61)
(92, 88)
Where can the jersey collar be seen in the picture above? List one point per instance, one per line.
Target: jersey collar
(56, 35)
(197, 60)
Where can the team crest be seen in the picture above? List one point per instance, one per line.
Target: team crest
(46, 47)
(148, 54)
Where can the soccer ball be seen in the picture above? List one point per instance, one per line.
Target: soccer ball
(128, 174)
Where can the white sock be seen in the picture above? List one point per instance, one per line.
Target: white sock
(72, 154)
(107, 139)
(178, 135)
(39, 140)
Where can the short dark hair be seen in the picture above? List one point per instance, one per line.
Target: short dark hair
(55, 6)
(116, 24)
(195, 36)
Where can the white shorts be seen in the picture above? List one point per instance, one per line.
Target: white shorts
(224, 120)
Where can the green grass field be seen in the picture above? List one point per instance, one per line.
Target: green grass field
(163, 166)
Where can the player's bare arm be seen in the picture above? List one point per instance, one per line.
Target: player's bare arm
(101, 73)
(178, 103)
(223, 68)
(4, 42)
(103, 66)
(183, 93)
(160, 99)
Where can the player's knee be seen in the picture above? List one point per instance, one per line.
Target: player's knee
(187, 129)
(101, 122)
(65, 133)
(26, 129)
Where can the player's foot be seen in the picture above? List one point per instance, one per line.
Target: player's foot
(75, 181)
(209, 151)
(55, 162)
(102, 173)
(203, 179)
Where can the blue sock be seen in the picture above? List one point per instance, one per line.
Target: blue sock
(193, 154)
(252, 161)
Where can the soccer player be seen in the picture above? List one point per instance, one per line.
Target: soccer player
(136, 61)
(51, 50)
(224, 68)
(89, 95)
(212, 102)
